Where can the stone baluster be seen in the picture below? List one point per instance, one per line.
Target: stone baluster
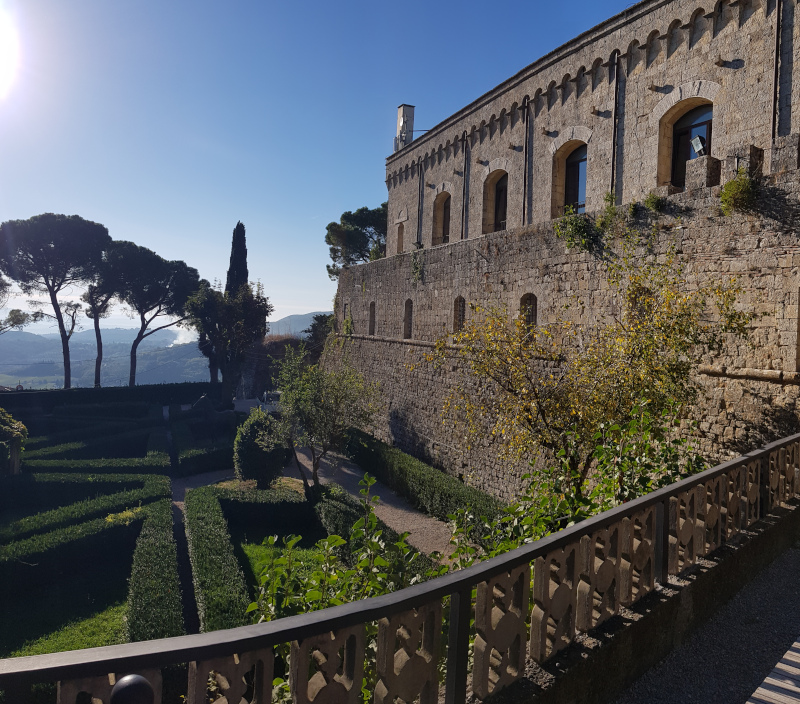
(711, 505)
(604, 558)
(555, 582)
(501, 644)
(328, 667)
(409, 646)
(752, 487)
(230, 676)
(685, 530)
(642, 556)
(735, 497)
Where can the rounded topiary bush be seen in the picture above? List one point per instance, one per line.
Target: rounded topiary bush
(250, 459)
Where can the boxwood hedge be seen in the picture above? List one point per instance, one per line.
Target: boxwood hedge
(219, 583)
(428, 489)
(154, 596)
(153, 463)
(148, 488)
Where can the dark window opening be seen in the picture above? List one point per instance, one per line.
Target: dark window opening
(408, 320)
(575, 180)
(695, 123)
(459, 314)
(528, 309)
(372, 318)
(400, 230)
(500, 203)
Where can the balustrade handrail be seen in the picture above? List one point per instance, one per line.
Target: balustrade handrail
(95, 662)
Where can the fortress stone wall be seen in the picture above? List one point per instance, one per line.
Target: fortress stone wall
(618, 89)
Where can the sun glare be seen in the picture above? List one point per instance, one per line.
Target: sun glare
(9, 53)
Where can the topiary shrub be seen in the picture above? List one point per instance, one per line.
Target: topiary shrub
(738, 194)
(250, 459)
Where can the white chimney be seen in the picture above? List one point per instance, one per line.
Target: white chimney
(405, 126)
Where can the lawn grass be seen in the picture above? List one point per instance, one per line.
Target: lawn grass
(106, 627)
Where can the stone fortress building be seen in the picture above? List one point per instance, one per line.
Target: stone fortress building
(671, 97)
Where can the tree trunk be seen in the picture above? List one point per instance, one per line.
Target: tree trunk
(213, 370)
(64, 340)
(14, 454)
(134, 347)
(300, 469)
(98, 362)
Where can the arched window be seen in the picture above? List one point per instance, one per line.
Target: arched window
(495, 201)
(441, 218)
(400, 230)
(575, 180)
(459, 314)
(372, 318)
(694, 125)
(528, 309)
(408, 320)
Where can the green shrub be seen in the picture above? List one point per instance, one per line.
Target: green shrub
(428, 489)
(151, 487)
(154, 597)
(155, 463)
(338, 513)
(48, 558)
(250, 460)
(130, 444)
(198, 460)
(219, 584)
(577, 230)
(654, 202)
(91, 430)
(738, 194)
(119, 409)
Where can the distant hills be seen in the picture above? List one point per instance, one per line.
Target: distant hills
(34, 360)
(294, 324)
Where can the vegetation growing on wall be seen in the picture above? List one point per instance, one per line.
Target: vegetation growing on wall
(738, 194)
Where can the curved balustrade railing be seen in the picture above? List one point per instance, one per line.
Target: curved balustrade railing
(579, 577)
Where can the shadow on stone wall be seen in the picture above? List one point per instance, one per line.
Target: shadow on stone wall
(775, 422)
(773, 203)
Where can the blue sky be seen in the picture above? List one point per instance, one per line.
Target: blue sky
(169, 121)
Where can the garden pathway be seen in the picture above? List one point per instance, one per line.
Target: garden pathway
(426, 534)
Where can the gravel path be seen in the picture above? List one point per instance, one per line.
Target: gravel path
(728, 658)
(182, 484)
(426, 534)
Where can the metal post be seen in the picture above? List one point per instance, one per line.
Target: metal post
(458, 647)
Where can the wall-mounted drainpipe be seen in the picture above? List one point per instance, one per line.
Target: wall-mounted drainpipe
(775, 75)
(464, 177)
(421, 178)
(614, 119)
(525, 162)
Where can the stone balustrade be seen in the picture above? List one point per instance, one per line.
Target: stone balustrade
(565, 584)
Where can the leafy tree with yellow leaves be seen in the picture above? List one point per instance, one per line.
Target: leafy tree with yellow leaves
(555, 391)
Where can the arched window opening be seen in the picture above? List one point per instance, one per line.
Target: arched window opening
(372, 318)
(408, 320)
(575, 180)
(528, 309)
(441, 218)
(495, 202)
(459, 314)
(691, 138)
(400, 231)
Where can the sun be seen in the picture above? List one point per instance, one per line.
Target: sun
(9, 53)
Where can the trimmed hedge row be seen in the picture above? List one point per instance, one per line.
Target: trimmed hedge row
(107, 427)
(121, 409)
(154, 463)
(162, 394)
(428, 489)
(219, 583)
(204, 459)
(47, 558)
(154, 596)
(129, 444)
(152, 487)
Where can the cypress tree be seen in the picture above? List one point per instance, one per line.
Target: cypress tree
(237, 270)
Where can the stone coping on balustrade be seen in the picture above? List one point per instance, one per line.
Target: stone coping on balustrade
(601, 664)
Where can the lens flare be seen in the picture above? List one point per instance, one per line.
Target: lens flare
(9, 53)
